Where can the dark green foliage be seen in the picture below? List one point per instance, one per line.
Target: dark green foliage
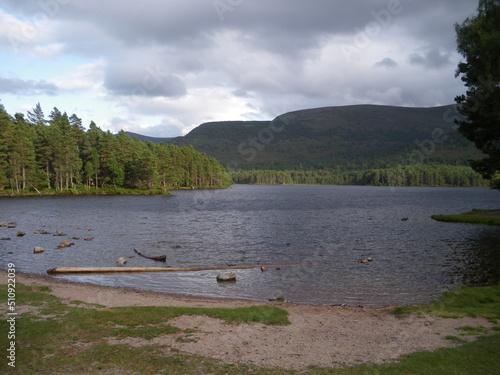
(42, 155)
(478, 40)
(419, 175)
(348, 138)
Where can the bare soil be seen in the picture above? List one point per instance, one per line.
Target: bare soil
(318, 336)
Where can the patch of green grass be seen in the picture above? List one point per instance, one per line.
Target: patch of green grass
(478, 357)
(489, 217)
(146, 332)
(29, 295)
(472, 331)
(469, 301)
(155, 314)
(456, 339)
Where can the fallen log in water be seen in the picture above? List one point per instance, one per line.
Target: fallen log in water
(76, 270)
(161, 258)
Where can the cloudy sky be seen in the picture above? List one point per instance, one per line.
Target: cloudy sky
(162, 67)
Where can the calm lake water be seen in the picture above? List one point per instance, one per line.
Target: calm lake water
(333, 227)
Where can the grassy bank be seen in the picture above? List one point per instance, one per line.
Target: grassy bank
(108, 190)
(466, 302)
(489, 217)
(57, 337)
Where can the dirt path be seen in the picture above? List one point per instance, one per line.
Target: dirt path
(318, 335)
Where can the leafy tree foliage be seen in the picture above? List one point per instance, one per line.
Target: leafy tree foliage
(58, 153)
(410, 175)
(478, 40)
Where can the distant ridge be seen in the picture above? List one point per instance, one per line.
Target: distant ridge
(145, 138)
(347, 138)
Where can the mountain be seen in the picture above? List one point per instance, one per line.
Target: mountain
(145, 138)
(347, 137)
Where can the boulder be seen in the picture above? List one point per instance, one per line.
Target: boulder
(20, 233)
(65, 244)
(58, 233)
(121, 261)
(38, 250)
(226, 276)
(367, 260)
(3, 224)
(11, 225)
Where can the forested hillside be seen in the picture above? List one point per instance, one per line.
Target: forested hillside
(359, 144)
(347, 138)
(57, 155)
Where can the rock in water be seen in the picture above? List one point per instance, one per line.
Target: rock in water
(38, 250)
(226, 276)
(65, 244)
(121, 261)
(20, 233)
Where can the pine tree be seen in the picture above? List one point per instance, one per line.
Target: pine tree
(478, 40)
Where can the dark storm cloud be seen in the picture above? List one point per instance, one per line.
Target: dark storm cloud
(432, 59)
(136, 79)
(18, 86)
(268, 23)
(386, 63)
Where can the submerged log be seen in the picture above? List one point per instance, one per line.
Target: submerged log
(84, 270)
(161, 258)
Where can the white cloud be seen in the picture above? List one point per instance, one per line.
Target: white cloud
(86, 77)
(49, 51)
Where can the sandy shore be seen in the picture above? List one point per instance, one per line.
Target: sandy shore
(318, 335)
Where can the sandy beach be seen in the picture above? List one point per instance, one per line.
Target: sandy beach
(317, 336)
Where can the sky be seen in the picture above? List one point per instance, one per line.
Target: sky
(163, 67)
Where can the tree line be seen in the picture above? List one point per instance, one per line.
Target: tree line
(409, 175)
(58, 154)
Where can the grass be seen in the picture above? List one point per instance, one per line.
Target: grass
(83, 190)
(489, 217)
(66, 338)
(465, 302)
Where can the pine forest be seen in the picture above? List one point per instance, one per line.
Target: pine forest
(57, 155)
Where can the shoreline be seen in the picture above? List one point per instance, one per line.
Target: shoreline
(335, 336)
(166, 299)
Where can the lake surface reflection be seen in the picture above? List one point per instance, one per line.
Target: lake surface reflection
(415, 260)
